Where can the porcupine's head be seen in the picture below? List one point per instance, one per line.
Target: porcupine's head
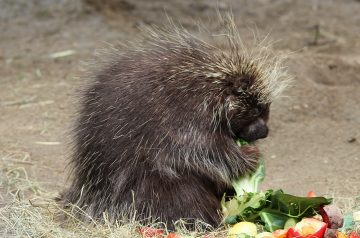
(250, 88)
(249, 80)
(234, 82)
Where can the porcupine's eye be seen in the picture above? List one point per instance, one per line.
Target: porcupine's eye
(257, 111)
(239, 91)
(262, 110)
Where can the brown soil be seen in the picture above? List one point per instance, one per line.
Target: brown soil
(315, 138)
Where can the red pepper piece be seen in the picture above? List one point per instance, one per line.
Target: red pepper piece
(324, 216)
(354, 235)
(173, 235)
(292, 233)
(308, 228)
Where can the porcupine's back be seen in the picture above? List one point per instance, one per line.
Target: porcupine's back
(160, 110)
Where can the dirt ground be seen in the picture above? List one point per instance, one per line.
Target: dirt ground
(314, 142)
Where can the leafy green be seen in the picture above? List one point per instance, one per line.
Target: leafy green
(290, 223)
(244, 207)
(241, 142)
(273, 221)
(296, 207)
(249, 182)
(271, 209)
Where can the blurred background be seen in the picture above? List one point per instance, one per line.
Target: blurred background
(314, 143)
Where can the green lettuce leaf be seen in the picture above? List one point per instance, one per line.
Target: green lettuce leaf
(249, 183)
(272, 220)
(271, 209)
(296, 207)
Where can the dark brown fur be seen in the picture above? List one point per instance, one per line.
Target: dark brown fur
(156, 132)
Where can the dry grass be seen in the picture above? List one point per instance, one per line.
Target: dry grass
(27, 210)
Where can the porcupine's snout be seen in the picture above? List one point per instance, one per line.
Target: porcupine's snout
(256, 130)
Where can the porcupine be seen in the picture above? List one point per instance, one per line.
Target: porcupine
(157, 125)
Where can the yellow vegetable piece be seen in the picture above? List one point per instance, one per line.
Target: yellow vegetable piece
(308, 226)
(307, 230)
(243, 227)
(341, 235)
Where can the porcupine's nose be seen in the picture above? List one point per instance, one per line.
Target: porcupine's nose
(256, 130)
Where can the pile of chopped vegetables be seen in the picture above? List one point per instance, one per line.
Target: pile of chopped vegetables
(274, 214)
